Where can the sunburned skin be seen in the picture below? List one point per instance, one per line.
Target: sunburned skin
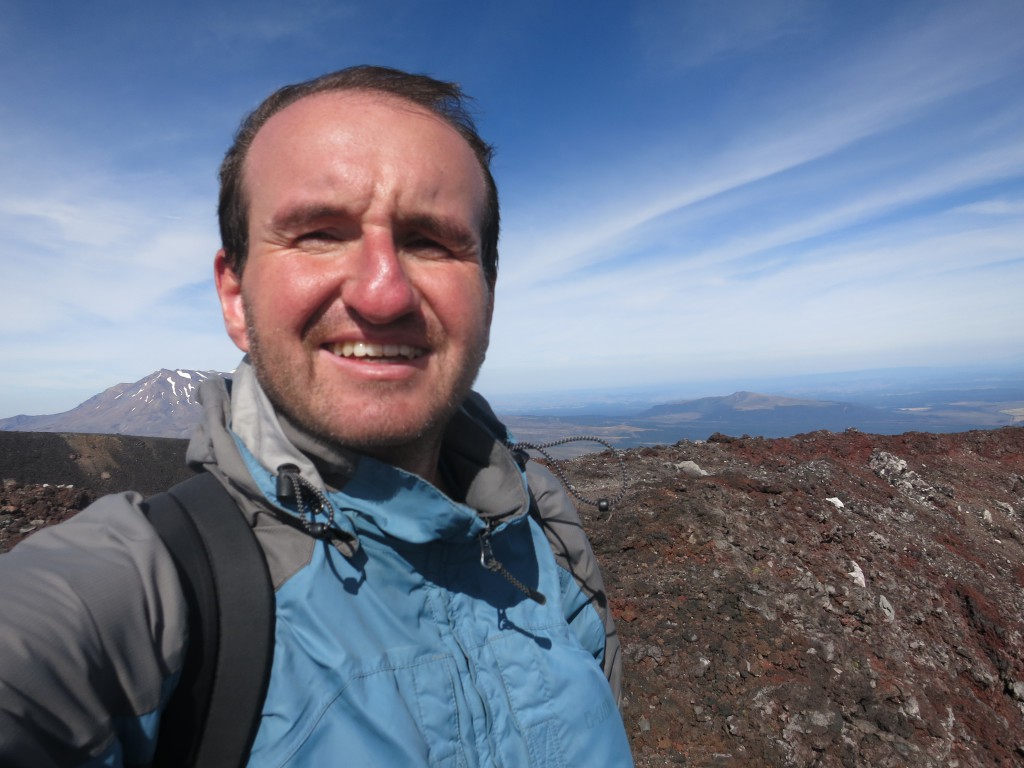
(364, 303)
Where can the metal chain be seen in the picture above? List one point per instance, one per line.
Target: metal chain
(602, 505)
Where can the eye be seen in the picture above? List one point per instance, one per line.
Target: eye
(320, 234)
(325, 240)
(425, 245)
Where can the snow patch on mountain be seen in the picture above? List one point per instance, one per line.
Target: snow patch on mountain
(163, 404)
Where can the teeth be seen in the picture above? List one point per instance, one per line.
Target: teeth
(365, 349)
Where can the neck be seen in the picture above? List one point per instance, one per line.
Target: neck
(421, 458)
(335, 462)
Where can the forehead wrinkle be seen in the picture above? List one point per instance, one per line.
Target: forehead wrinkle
(304, 212)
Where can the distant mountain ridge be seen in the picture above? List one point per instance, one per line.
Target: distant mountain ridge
(765, 415)
(737, 401)
(163, 404)
(772, 416)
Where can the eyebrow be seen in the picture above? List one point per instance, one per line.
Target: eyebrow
(301, 215)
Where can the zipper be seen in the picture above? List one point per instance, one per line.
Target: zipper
(292, 489)
(491, 563)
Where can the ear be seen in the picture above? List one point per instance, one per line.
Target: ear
(229, 289)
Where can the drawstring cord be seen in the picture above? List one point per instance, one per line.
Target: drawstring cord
(602, 504)
(290, 487)
(487, 558)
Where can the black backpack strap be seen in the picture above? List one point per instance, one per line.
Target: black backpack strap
(214, 713)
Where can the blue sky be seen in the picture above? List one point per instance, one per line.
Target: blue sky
(691, 191)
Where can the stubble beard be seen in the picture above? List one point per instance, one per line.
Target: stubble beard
(298, 401)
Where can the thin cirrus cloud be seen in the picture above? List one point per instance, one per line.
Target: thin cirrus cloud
(108, 256)
(872, 95)
(819, 238)
(689, 189)
(100, 272)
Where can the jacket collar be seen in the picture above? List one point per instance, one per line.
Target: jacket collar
(488, 486)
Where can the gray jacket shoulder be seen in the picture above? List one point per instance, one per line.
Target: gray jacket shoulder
(92, 638)
(563, 528)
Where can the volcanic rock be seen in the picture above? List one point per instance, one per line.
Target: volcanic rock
(830, 599)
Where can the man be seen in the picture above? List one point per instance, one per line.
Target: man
(359, 225)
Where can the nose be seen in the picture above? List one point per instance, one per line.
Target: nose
(379, 288)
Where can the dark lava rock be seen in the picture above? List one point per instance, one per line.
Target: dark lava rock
(830, 599)
(100, 463)
(822, 600)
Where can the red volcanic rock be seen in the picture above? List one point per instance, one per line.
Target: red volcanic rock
(25, 509)
(827, 599)
(822, 600)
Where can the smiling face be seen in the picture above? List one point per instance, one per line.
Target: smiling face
(363, 302)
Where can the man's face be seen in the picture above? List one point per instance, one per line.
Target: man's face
(363, 302)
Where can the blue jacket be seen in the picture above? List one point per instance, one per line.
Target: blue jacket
(394, 645)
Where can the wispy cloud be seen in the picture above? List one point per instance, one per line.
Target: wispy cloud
(269, 22)
(994, 208)
(831, 231)
(104, 253)
(687, 188)
(885, 86)
(93, 261)
(695, 34)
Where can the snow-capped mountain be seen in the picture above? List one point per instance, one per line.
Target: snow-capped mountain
(163, 404)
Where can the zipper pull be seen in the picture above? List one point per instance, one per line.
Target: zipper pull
(289, 487)
(491, 563)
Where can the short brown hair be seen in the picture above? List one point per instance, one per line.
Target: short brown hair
(442, 98)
